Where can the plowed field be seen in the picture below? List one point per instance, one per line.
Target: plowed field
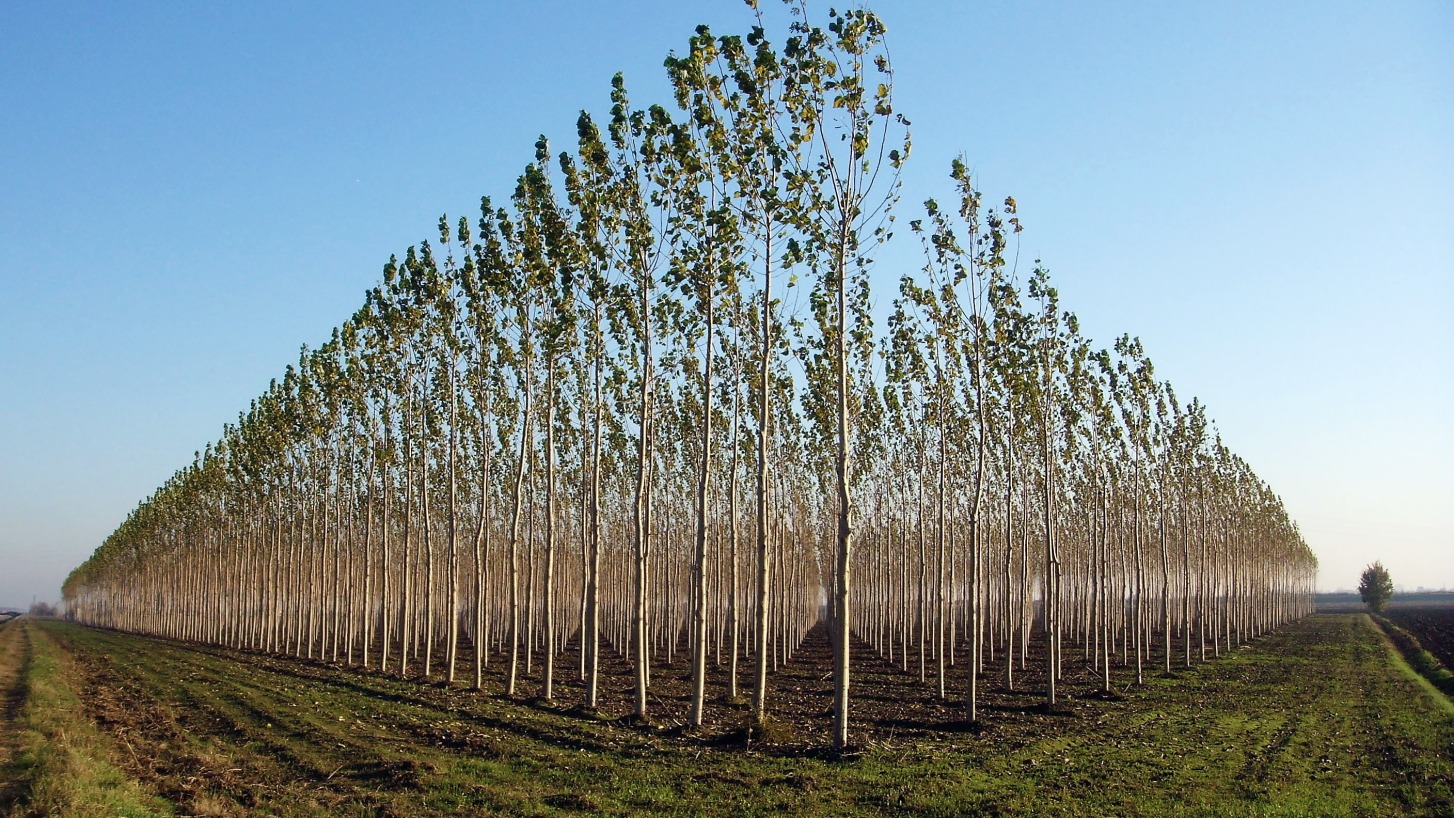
(1432, 624)
(1313, 719)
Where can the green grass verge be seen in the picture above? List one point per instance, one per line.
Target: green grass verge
(64, 763)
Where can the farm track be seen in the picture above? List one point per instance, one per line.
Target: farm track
(1312, 715)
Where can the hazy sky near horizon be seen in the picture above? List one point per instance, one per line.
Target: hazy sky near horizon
(1264, 193)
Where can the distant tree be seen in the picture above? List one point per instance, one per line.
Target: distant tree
(1375, 587)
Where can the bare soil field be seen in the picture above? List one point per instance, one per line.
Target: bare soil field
(1433, 625)
(1348, 602)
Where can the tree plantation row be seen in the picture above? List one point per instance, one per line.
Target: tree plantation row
(643, 406)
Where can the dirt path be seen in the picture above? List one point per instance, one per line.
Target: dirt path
(14, 651)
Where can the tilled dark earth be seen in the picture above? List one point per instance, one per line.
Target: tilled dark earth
(889, 703)
(1432, 624)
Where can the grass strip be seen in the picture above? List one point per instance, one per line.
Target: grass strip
(64, 760)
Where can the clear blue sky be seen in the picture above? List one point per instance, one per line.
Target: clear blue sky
(1263, 192)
